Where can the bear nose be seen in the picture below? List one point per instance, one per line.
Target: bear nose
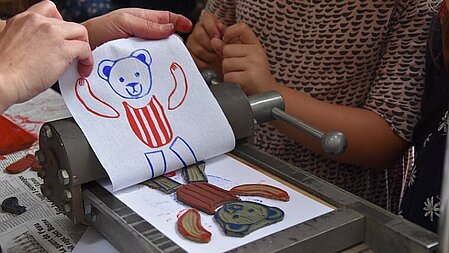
(131, 85)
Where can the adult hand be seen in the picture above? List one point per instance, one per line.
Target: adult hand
(36, 47)
(205, 43)
(245, 62)
(135, 22)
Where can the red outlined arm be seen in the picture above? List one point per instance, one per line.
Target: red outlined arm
(91, 102)
(179, 92)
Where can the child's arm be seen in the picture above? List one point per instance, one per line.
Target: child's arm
(371, 142)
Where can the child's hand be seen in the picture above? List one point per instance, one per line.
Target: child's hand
(205, 44)
(245, 62)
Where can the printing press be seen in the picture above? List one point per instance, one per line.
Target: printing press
(70, 170)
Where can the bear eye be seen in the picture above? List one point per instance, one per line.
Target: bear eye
(137, 74)
(121, 79)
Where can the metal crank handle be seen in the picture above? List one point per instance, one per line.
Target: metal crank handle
(270, 105)
(332, 142)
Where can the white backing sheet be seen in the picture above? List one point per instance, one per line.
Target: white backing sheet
(162, 210)
(146, 110)
(92, 241)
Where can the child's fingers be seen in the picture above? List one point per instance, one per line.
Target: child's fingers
(212, 25)
(237, 77)
(221, 27)
(199, 36)
(199, 63)
(217, 45)
(237, 50)
(234, 64)
(240, 32)
(201, 51)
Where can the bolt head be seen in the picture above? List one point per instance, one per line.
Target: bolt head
(40, 157)
(63, 177)
(67, 208)
(47, 132)
(67, 195)
(209, 75)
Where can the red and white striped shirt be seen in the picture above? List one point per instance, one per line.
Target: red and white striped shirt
(149, 123)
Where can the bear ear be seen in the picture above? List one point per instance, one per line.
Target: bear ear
(143, 55)
(275, 213)
(104, 69)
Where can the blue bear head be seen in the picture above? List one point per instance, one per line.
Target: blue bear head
(129, 77)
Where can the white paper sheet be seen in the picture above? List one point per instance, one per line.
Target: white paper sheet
(161, 210)
(146, 110)
(92, 241)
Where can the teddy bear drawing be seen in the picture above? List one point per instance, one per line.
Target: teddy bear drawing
(131, 79)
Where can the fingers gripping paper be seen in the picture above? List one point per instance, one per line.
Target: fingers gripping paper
(146, 110)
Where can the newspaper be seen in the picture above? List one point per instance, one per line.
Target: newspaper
(42, 228)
